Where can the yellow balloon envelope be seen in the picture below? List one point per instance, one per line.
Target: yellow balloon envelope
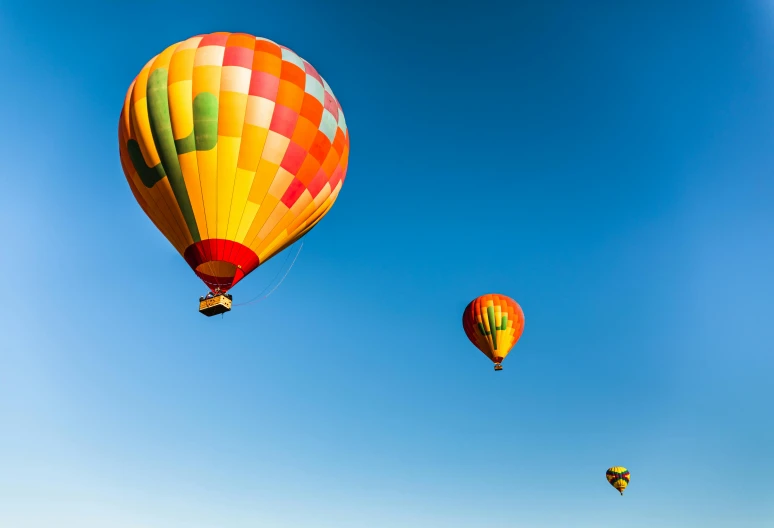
(618, 477)
(235, 147)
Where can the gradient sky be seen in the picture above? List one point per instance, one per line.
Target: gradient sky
(607, 164)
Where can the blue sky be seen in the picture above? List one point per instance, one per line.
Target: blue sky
(606, 164)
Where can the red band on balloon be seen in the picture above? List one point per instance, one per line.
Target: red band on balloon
(215, 249)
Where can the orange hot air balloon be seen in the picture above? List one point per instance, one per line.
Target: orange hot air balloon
(493, 323)
(235, 147)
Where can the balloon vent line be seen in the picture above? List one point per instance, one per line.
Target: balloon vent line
(258, 298)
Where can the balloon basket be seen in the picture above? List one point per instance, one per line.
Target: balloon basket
(498, 366)
(215, 305)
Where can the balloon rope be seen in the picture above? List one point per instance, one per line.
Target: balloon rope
(287, 257)
(256, 299)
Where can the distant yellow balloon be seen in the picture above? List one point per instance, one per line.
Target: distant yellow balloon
(618, 477)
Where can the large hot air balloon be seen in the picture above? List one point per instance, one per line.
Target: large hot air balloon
(493, 323)
(235, 147)
(618, 477)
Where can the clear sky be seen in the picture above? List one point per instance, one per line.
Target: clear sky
(607, 164)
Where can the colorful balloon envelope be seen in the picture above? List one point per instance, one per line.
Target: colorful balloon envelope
(618, 477)
(494, 323)
(235, 147)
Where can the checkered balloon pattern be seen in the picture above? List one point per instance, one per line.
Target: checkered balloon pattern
(494, 323)
(235, 147)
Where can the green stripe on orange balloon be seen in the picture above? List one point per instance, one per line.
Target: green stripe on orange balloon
(186, 145)
(205, 116)
(492, 325)
(204, 136)
(161, 129)
(149, 176)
